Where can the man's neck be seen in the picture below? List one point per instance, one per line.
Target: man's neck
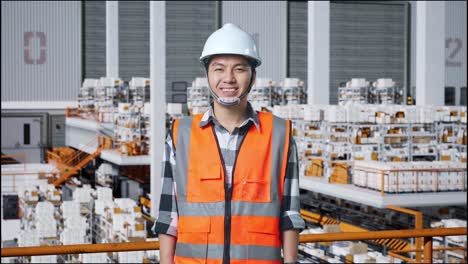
(230, 117)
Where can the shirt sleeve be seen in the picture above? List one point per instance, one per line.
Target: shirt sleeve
(166, 223)
(290, 207)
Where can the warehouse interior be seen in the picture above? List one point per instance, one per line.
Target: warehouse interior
(375, 91)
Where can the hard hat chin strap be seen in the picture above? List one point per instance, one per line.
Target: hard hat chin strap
(226, 101)
(229, 101)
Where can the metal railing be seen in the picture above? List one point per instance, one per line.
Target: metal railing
(427, 248)
(80, 155)
(426, 234)
(74, 163)
(53, 158)
(79, 248)
(19, 171)
(418, 222)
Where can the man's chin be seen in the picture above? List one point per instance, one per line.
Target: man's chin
(228, 95)
(229, 99)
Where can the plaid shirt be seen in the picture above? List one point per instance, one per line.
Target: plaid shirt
(229, 144)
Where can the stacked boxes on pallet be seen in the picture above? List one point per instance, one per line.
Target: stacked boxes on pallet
(405, 177)
(330, 138)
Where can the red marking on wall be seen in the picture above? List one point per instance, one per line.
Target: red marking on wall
(27, 54)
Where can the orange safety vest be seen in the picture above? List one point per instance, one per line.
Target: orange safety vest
(216, 225)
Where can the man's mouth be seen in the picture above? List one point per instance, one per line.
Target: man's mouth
(229, 91)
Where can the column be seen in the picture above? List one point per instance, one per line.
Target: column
(318, 53)
(112, 39)
(430, 52)
(158, 97)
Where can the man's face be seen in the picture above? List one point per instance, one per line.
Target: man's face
(229, 75)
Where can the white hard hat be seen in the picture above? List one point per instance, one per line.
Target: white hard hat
(230, 39)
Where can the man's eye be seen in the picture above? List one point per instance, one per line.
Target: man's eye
(218, 70)
(240, 69)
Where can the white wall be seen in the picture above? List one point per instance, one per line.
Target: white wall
(455, 43)
(266, 21)
(13, 138)
(41, 52)
(455, 50)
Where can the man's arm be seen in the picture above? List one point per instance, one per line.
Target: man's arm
(290, 242)
(167, 248)
(291, 222)
(166, 223)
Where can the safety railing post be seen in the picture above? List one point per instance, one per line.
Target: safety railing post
(382, 187)
(419, 225)
(418, 222)
(427, 249)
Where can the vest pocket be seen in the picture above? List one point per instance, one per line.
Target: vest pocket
(192, 239)
(192, 253)
(263, 232)
(256, 191)
(264, 243)
(205, 184)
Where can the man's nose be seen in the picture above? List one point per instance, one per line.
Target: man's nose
(228, 77)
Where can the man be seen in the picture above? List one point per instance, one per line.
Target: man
(230, 191)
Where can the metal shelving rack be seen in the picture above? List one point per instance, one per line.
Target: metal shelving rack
(337, 156)
(139, 91)
(198, 96)
(461, 140)
(365, 143)
(358, 91)
(423, 142)
(86, 210)
(388, 135)
(388, 95)
(109, 93)
(127, 132)
(448, 149)
(102, 230)
(292, 92)
(355, 95)
(387, 92)
(145, 131)
(313, 134)
(86, 97)
(395, 145)
(260, 96)
(310, 146)
(103, 233)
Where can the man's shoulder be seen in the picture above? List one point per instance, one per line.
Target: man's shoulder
(180, 122)
(279, 118)
(184, 119)
(275, 117)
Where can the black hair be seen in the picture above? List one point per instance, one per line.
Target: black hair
(252, 63)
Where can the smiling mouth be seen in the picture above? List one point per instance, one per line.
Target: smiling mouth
(228, 89)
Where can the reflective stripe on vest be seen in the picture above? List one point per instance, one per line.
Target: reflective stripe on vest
(257, 192)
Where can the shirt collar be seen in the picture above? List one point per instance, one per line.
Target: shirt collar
(208, 117)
